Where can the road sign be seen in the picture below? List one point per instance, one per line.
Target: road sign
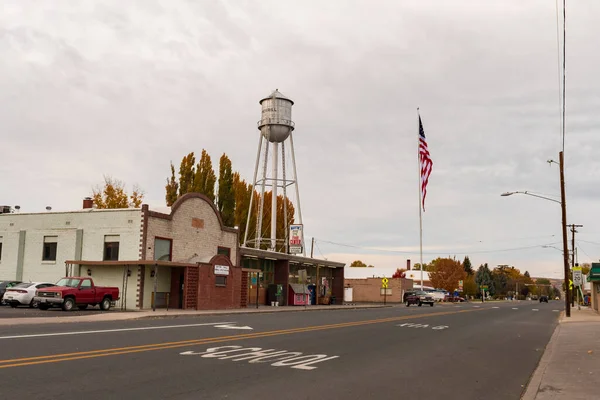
(484, 287)
(577, 276)
(384, 282)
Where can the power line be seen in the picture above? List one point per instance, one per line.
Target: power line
(433, 253)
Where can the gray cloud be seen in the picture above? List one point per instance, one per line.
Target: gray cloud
(123, 89)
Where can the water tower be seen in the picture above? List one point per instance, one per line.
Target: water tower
(276, 128)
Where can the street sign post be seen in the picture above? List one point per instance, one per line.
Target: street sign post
(384, 286)
(577, 281)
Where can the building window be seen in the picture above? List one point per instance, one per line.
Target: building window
(220, 280)
(111, 251)
(226, 251)
(0, 248)
(163, 249)
(50, 245)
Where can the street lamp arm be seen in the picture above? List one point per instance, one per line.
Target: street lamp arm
(531, 194)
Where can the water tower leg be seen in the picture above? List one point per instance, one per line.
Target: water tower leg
(274, 198)
(286, 228)
(297, 192)
(261, 207)
(260, 139)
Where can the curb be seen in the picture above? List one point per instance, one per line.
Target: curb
(134, 315)
(535, 381)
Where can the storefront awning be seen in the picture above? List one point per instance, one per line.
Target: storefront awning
(130, 262)
(594, 275)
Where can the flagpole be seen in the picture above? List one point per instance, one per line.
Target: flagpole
(420, 204)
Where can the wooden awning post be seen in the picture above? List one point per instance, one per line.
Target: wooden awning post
(155, 286)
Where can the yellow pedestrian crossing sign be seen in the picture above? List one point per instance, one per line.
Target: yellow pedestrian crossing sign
(384, 283)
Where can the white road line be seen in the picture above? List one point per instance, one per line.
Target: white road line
(534, 309)
(146, 328)
(476, 306)
(556, 310)
(495, 307)
(515, 308)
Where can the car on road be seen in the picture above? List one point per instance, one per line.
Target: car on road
(418, 297)
(80, 292)
(543, 299)
(5, 285)
(22, 294)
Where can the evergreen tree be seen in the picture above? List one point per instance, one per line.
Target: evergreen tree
(467, 266)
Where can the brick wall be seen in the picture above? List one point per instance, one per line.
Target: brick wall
(213, 297)
(369, 290)
(244, 294)
(191, 238)
(190, 294)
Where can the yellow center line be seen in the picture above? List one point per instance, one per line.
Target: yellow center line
(20, 362)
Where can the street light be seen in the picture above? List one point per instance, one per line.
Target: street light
(563, 206)
(530, 194)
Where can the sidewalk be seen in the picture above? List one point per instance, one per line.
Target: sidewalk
(162, 313)
(570, 366)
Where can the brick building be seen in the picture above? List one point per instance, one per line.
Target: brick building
(183, 256)
(180, 256)
(369, 290)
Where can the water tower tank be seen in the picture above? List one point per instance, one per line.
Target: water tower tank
(276, 119)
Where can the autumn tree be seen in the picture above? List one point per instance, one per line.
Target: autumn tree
(426, 267)
(114, 195)
(358, 264)
(186, 174)
(447, 274)
(226, 198)
(468, 267)
(400, 273)
(469, 286)
(205, 178)
(242, 193)
(171, 188)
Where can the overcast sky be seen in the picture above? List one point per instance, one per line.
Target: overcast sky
(123, 87)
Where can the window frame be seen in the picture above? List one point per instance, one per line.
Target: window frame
(224, 251)
(0, 249)
(111, 246)
(223, 277)
(170, 246)
(52, 248)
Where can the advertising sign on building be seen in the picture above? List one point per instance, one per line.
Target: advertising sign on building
(295, 242)
(221, 269)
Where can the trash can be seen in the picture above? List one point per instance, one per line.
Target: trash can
(332, 300)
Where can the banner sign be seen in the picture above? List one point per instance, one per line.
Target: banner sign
(295, 241)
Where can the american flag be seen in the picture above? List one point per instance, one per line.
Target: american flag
(425, 162)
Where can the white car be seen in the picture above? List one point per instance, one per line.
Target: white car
(23, 293)
(437, 294)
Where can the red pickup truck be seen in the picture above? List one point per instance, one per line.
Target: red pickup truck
(80, 292)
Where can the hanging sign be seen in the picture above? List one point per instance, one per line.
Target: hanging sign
(295, 241)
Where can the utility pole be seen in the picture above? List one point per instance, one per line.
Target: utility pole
(563, 206)
(573, 231)
(312, 245)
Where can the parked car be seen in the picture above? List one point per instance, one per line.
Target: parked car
(5, 285)
(418, 297)
(543, 299)
(23, 293)
(454, 299)
(438, 294)
(79, 292)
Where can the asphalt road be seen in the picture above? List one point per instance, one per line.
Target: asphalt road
(466, 351)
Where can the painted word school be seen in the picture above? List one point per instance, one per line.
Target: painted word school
(255, 355)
